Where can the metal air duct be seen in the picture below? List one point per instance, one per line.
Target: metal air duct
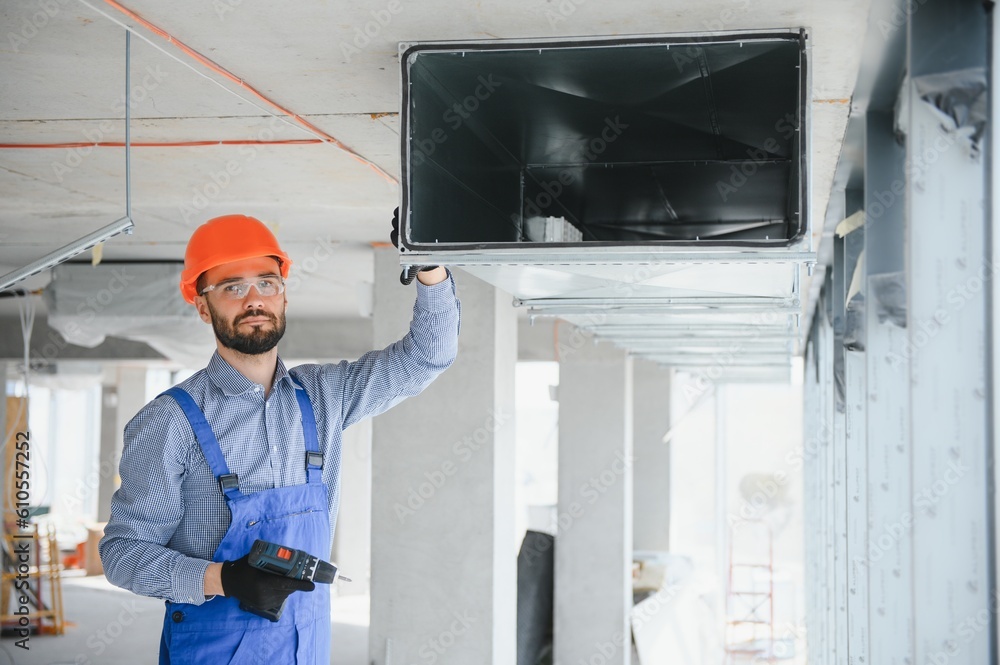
(596, 179)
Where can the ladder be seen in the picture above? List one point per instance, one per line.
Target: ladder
(750, 594)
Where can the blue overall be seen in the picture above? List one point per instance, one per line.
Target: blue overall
(218, 631)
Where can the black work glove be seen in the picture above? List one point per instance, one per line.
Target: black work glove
(394, 235)
(255, 588)
(409, 273)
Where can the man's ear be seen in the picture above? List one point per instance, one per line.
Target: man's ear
(202, 304)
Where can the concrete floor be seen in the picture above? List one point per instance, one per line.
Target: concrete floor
(109, 626)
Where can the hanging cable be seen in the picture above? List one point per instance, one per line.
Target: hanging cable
(27, 308)
(26, 311)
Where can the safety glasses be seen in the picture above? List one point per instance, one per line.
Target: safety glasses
(267, 287)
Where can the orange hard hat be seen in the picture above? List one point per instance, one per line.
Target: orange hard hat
(223, 240)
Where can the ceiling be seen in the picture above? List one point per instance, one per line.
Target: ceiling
(334, 65)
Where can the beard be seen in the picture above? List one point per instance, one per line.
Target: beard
(259, 340)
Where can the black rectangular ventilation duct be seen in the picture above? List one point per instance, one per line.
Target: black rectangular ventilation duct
(654, 141)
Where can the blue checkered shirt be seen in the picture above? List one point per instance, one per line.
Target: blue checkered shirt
(169, 516)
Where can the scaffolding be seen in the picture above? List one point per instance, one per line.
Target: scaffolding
(750, 595)
(32, 582)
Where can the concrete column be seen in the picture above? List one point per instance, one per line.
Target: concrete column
(119, 404)
(352, 542)
(443, 552)
(110, 451)
(593, 557)
(651, 479)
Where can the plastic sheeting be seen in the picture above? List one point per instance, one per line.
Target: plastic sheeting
(670, 622)
(135, 301)
(854, 321)
(889, 297)
(854, 324)
(958, 98)
(852, 223)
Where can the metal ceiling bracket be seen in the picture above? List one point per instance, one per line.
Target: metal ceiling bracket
(123, 225)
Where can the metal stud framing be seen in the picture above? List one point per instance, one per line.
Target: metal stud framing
(899, 502)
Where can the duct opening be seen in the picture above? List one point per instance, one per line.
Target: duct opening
(653, 141)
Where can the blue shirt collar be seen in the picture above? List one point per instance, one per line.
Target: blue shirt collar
(231, 382)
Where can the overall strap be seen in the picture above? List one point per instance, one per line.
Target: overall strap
(228, 482)
(314, 458)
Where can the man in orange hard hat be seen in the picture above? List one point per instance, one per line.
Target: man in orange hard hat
(246, 449)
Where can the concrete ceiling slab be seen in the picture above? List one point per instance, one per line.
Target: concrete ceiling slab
(334, 64)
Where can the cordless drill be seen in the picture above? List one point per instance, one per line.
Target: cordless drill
(279, 560)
